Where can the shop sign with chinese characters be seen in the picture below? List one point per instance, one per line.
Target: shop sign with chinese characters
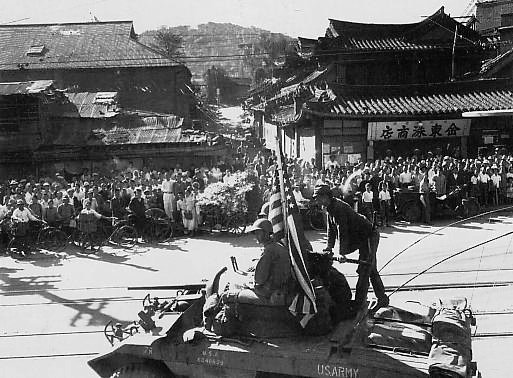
(448, 128)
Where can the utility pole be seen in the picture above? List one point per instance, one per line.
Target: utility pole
(453, 63)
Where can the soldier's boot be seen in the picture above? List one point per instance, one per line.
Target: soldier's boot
(362, 287)
(379, 290)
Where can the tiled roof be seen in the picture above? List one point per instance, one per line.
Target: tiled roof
(434, 104)
(353, 36)
(149, 134)
(75, 45)
(92, 105)
(25, 87)
(382, 44)
(493, 65)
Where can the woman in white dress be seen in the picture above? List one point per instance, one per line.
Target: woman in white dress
(189, 213)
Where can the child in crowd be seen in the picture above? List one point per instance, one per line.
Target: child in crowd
(367, 198)
(495, 181)
(509, 190)
(384, 204)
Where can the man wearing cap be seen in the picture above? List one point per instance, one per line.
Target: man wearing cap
(21, 215)
(354, 231)
(273, 272)
(66, 212)
(87, 220)
(118, 205)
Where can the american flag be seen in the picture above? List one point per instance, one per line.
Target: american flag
(287, 227)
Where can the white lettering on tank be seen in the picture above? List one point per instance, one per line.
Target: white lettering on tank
(336, 371)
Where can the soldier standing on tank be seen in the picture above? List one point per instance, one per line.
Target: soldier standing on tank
(354, 231)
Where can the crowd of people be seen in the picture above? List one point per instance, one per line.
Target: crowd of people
(487, 179)
(132, 191)
(128, 192)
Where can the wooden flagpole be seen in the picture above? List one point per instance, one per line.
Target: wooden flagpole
(282, 190)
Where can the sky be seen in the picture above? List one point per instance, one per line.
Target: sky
(305, 18)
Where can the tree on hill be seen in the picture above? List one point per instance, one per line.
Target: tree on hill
(266, 52)
(167, 43)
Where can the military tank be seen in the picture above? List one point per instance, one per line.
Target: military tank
(406, 340)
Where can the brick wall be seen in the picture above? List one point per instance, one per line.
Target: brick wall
(489, 13)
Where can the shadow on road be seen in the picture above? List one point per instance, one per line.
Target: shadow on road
(111, 258)
(90, 309)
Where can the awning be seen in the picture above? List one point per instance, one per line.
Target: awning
(488, 113)
(25, 87)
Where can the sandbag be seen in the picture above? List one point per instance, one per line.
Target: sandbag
(451, 351)
(445, 358)
(452, 325)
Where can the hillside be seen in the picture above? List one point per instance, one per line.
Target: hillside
(217, 44)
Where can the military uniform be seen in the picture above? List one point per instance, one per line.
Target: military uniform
(273, 274)
(354, 231)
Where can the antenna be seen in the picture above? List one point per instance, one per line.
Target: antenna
(469, 9)
(93, 17)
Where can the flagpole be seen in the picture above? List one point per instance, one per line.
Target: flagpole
(282, 190)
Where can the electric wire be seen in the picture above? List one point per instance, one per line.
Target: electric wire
(440, 229)
(448, 258)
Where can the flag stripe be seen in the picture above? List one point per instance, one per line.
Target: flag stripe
(284, 215)
(300, 269)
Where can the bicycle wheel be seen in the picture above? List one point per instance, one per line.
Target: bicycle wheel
(236, 225)
(161, 231)
(124, 236)
(90, 242)
(17, 248)
(53, 239)
(317, 219)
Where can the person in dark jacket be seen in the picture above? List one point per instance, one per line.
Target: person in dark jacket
(138, 209)
(118, 205)
(354, 231)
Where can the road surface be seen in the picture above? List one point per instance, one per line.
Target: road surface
(53, 308)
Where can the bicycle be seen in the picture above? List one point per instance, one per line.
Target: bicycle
(25, 238)
(116, 232)
(159, 227)
(315, 216)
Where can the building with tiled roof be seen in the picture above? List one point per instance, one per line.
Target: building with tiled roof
(45, 129)
(76, 45)
(96, 57)
(364, 89)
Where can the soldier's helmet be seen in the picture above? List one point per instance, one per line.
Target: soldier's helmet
(261, 224)
(322, 190)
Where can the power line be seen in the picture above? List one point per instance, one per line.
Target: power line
(148, 34)
(56, 11)
(205, 58)
(13, 21)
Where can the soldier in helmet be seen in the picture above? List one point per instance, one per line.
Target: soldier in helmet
(354, 231)
(273, 272)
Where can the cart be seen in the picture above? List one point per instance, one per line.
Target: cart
(408, 205)
(217, 218)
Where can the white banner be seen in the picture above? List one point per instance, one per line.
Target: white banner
(448, 128)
